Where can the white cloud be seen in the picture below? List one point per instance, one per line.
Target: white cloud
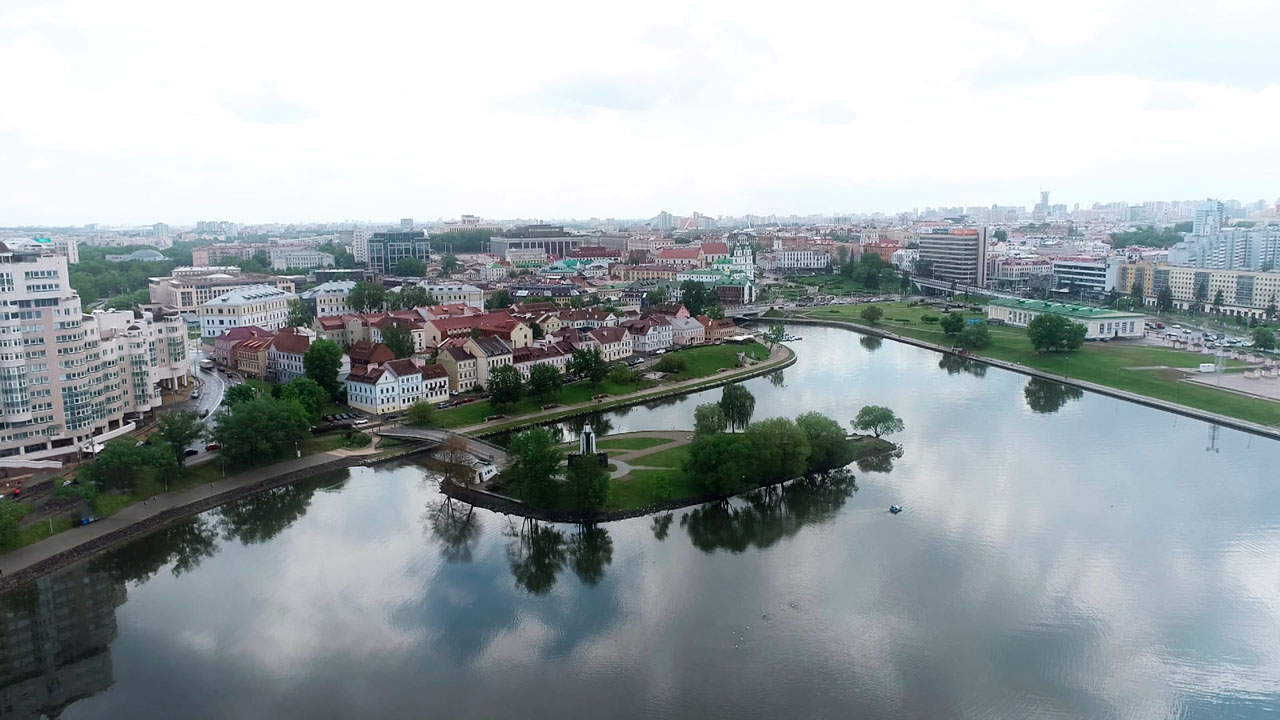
(289, 110)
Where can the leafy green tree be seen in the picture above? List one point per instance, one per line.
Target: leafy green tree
(1164, 299)
(738, 405)
(237, 394)
(1137, 293)
(720, 463)
(307, 393)
(669, 364)
(322, 363)
(715, 310)
(709, 419)
(498, 300)
(299, 315)
(415, 296)
(420, 414)
(259, 431)
(871, 314)
(1001, 235)
(449, 265)
(534, 466)
(410, 267)
(505, 386)
(774, 334)
(1054, 333)
(588, 483)
(588, 363)
(923, 267)
(828, 447)
(1264, 338)
(656, 296)
(124, 466)
(1218, 299)
(366, 297)
(780, 450)
(904, 282)
(11, 514)
(130, 301)
(538, 332)
(1201, 293)
(1147, 237)
(1271, 307)
(877, 419)
(398, 338)
(695, 296)
(952, 323)
(545, 381)
(178, 429)
(975, 337)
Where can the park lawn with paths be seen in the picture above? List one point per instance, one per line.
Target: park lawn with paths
(833, 284)
(628, 443)
(708, 360)
(1111, 364)
(670, 458)
(639, 489)
(474, 413)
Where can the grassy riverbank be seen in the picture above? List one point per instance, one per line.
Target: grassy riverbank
(1142, 369)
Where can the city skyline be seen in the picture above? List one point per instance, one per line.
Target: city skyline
(144, 111)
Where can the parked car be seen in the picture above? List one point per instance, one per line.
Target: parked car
(190, 451)
(361, 421)
(444, 405)
(212, 446)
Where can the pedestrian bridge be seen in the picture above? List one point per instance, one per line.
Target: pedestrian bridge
(478, 448)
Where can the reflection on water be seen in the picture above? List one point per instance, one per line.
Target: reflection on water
(880, 462)
(455, 525)
(537, 552)
(870, 342)
(1047, 396)
(954, 364)
(763, 517)
(185, 545)
(661, 526)
(777, 378)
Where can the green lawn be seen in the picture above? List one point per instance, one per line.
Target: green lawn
(673, 458)
(710, 359)
(1109, 364)
(628, 443)
(579, 392)
(639, 488)
(835, 284)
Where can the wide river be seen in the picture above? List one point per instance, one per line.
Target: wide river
(1061, 555)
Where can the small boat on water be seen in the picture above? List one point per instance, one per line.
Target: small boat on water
(895, 509)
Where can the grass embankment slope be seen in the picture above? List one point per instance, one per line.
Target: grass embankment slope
(699, 362)
(1130, 367)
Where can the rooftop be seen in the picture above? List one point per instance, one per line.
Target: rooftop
(1076, 311)
(249, 295)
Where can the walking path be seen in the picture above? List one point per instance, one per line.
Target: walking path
(44, 549)
(622, 461)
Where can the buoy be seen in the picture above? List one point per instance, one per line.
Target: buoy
(895, 509)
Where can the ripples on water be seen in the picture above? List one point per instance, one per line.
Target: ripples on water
(1061, 554)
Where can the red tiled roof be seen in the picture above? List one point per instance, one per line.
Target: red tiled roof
(434, 371)
(715, 248)
(404, 366)
(365, 352)
(459, 354)
(235, 335)
(253, 344)
(332, 322)
(676, 253)
(608, 335)
(291, 343)
(364, 374)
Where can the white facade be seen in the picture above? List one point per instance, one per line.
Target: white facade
(686, 331)
(786, 260)
(259, 305)
(448, 293)
(1099, 323)
(329, 298)
(69, 381)
(299, 257)
(394, 386)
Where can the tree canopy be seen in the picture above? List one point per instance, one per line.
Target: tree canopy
(505, 386)
(1147, 236)
(420, 414)
(545, 380)
(259, 431)
(299, 314)
(878, 420)
(178, 429)
(975, 337)
(1055, 333)
(323, 362)
(871, 314)
(738, 405)
(588, 363)
(237, 394)
(535, 465)
(398, 338)
(367, 297)
(952, 323)
(410, 267)
(709, 419)
(1264, 338)
(307, 393)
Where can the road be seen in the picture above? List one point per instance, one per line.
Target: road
(212, 387)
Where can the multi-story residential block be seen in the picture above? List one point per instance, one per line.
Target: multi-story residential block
(393, 386)
(554, 354)
(299, 257)
(262, 306)
(251, 356)
(417, 331)
(213, 254)
(650, 333)
(1244, 293)
(686, 331)
(631, 273)
(386, 249)
(224, 346)
(188, 292)
(447, 293)
(1086, 274)
(1230, 249)
(358, 241)
(70, 381)
(681, 257)
(461, 366)
(500, 324)
(491, 353)
(614, 342)
(284, 357)
(330, 298)
(958, 254)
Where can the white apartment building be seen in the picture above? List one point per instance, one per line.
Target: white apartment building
(1244, 293)
(303, 258)
(1086, 274)
(186, 293)
(262, 306)
(650, 334)
(614, 342)
(394, 386)
(358, 241)
(448, 293)
(686, 331)
(329, 298)
(69, 381)
(958, 254)
(284, 357)
(798, 260)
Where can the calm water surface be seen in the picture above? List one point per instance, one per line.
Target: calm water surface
(1062, 555)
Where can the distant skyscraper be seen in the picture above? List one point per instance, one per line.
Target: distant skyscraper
(406, 223)
(1209, 219)
(1044, 201)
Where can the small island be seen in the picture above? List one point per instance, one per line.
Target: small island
(616, 476)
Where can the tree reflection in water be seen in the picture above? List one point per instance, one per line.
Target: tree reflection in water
(185, 544)
(538, 553)
(1047, 396)
(954, 364)
(776, 378)
(881, 463)
(259, 518)
(661, 526)
(600, 422)
(456, 526)
(762, 518)
(870, 342)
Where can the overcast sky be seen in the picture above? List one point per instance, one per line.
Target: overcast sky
(141, 111)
